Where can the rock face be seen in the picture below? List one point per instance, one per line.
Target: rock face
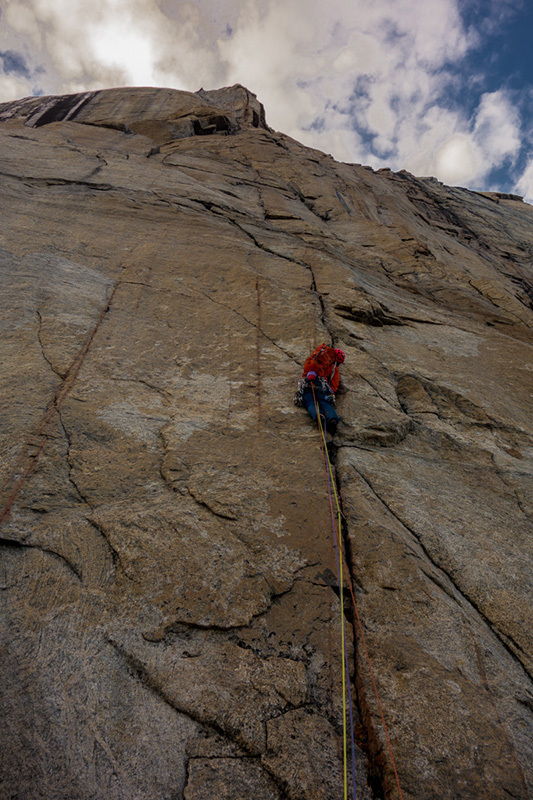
(172, 618)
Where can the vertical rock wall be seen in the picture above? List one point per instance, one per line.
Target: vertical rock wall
(171, 613)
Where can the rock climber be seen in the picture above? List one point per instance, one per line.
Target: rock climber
(318, 385)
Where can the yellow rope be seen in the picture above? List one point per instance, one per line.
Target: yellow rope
(337, 535)
(338, 546)
(360, 627)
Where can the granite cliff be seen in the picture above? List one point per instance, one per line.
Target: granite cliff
(171, 612)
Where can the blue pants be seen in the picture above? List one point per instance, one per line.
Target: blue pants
(324, 406)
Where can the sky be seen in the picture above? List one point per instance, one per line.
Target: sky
(436, 87)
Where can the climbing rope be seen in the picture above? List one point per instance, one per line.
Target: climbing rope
(346, 687)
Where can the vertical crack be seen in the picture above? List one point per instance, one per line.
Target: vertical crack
(70, 465)
(511, 646)
(27, 460)
(41, 343)
(258, 352)
(248, 321)
(313, 287)
(320, 298)
(365, 734)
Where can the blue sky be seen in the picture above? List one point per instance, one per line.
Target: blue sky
(437, 87)
(503, 60)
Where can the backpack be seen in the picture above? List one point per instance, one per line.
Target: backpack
(319, 355)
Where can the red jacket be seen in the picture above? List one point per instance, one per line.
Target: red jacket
(322, 361)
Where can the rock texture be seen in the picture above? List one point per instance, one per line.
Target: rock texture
(171, 615)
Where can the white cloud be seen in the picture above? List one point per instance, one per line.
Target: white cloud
(524, 185)
(12, 87)
(322, 70)
(23, 21)
(497, 127)
(459, 150)
(362, 80)
(117, 45)
(458, 160)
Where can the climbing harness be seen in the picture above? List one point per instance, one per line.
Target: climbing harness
(336, 525)
(304, 385)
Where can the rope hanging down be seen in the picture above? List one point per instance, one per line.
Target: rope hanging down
(346, 687)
